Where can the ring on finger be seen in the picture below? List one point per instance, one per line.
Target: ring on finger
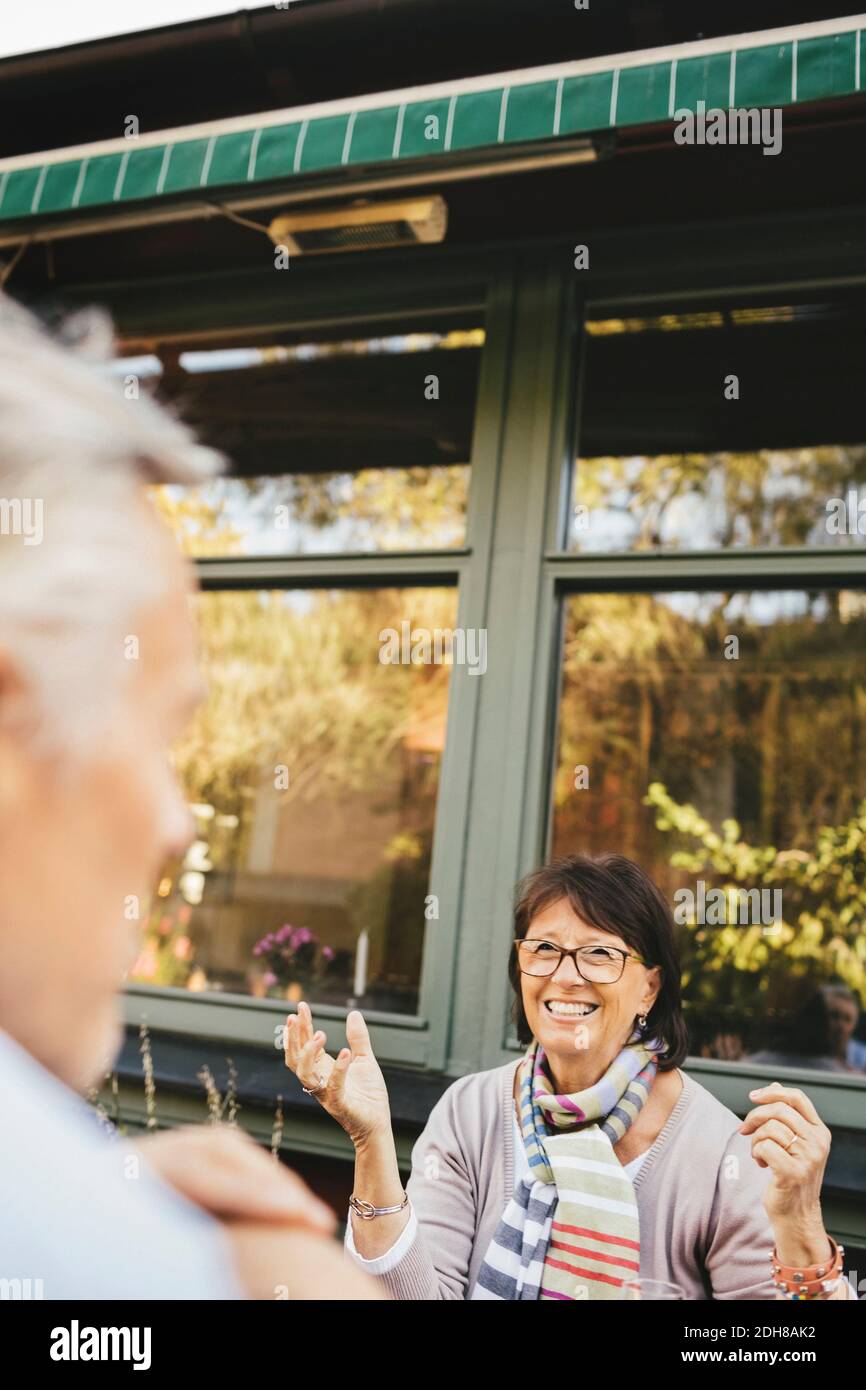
(313, 1090)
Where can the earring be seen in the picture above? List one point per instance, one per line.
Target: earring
(641, 1020)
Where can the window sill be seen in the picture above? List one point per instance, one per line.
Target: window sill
(262, 1076)
(236, 1019)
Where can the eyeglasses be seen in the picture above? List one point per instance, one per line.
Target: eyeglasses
(599, 965)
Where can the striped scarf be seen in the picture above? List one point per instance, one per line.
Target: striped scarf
(571, 1230)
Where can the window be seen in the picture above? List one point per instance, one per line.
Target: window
(735, 767)
(712, 682)
(313, 768)
(732, 428)
(313, 772)
(334, 446)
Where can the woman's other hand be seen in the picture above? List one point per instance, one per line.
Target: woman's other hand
(354, 1089)
(789, 1137)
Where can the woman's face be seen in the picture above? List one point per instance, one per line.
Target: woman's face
(569, 1015)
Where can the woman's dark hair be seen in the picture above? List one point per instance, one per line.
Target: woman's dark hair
(614, 894)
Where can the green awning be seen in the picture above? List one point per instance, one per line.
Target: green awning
(778, 68)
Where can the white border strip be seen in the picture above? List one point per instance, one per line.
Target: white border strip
(254, 149)
(347, 138)
(79, 182)
(163, 168)
(121, 173)
(375, 101)
(206, 162)
(449, 123)
(37, 192)
(398, 132)
(557, 112)
(503, 115)
(299, 147)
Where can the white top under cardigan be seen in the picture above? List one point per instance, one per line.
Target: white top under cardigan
(383, 1263)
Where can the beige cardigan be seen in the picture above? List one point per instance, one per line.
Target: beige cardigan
(702, 1222)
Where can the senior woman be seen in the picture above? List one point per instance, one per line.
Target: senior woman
(593, 1159)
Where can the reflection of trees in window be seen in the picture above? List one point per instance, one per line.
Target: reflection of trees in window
(341, 841)
(372, 509)
(669, 459)
(294, 677)
(759, 980)
(331, 445)
(775, 739)
(766, 497)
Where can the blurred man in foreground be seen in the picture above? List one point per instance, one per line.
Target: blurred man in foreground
(97, 677)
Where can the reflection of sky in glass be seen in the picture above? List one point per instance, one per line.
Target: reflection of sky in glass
(144, 367)
(699, 518)
(250, 513)
(260, 516)
(248, 509)
(234, 359)
(756, 607)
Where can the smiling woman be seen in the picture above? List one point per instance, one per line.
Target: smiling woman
(594, 1160)
(613, 926)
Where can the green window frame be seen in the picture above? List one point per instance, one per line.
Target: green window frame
(547, 377)
(419, 1040)
(492, 811)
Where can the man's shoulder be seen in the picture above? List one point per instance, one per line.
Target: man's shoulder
(83, 1212)
(38, 1107)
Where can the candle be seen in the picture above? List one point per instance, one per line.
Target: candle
(360, 985)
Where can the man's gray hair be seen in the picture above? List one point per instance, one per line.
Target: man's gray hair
(76, 561)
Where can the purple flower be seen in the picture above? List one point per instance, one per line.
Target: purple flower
(287, 941)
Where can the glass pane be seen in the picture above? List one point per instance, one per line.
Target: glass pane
(333, 446)
(720, 741)
(306, 514)
(313, 773)
(735, 427)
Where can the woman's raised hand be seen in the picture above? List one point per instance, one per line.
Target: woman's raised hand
(790, 1138)
(351, 1086)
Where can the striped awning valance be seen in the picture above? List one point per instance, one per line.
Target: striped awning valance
(772, 68)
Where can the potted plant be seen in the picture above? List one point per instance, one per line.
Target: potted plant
(293, 959)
